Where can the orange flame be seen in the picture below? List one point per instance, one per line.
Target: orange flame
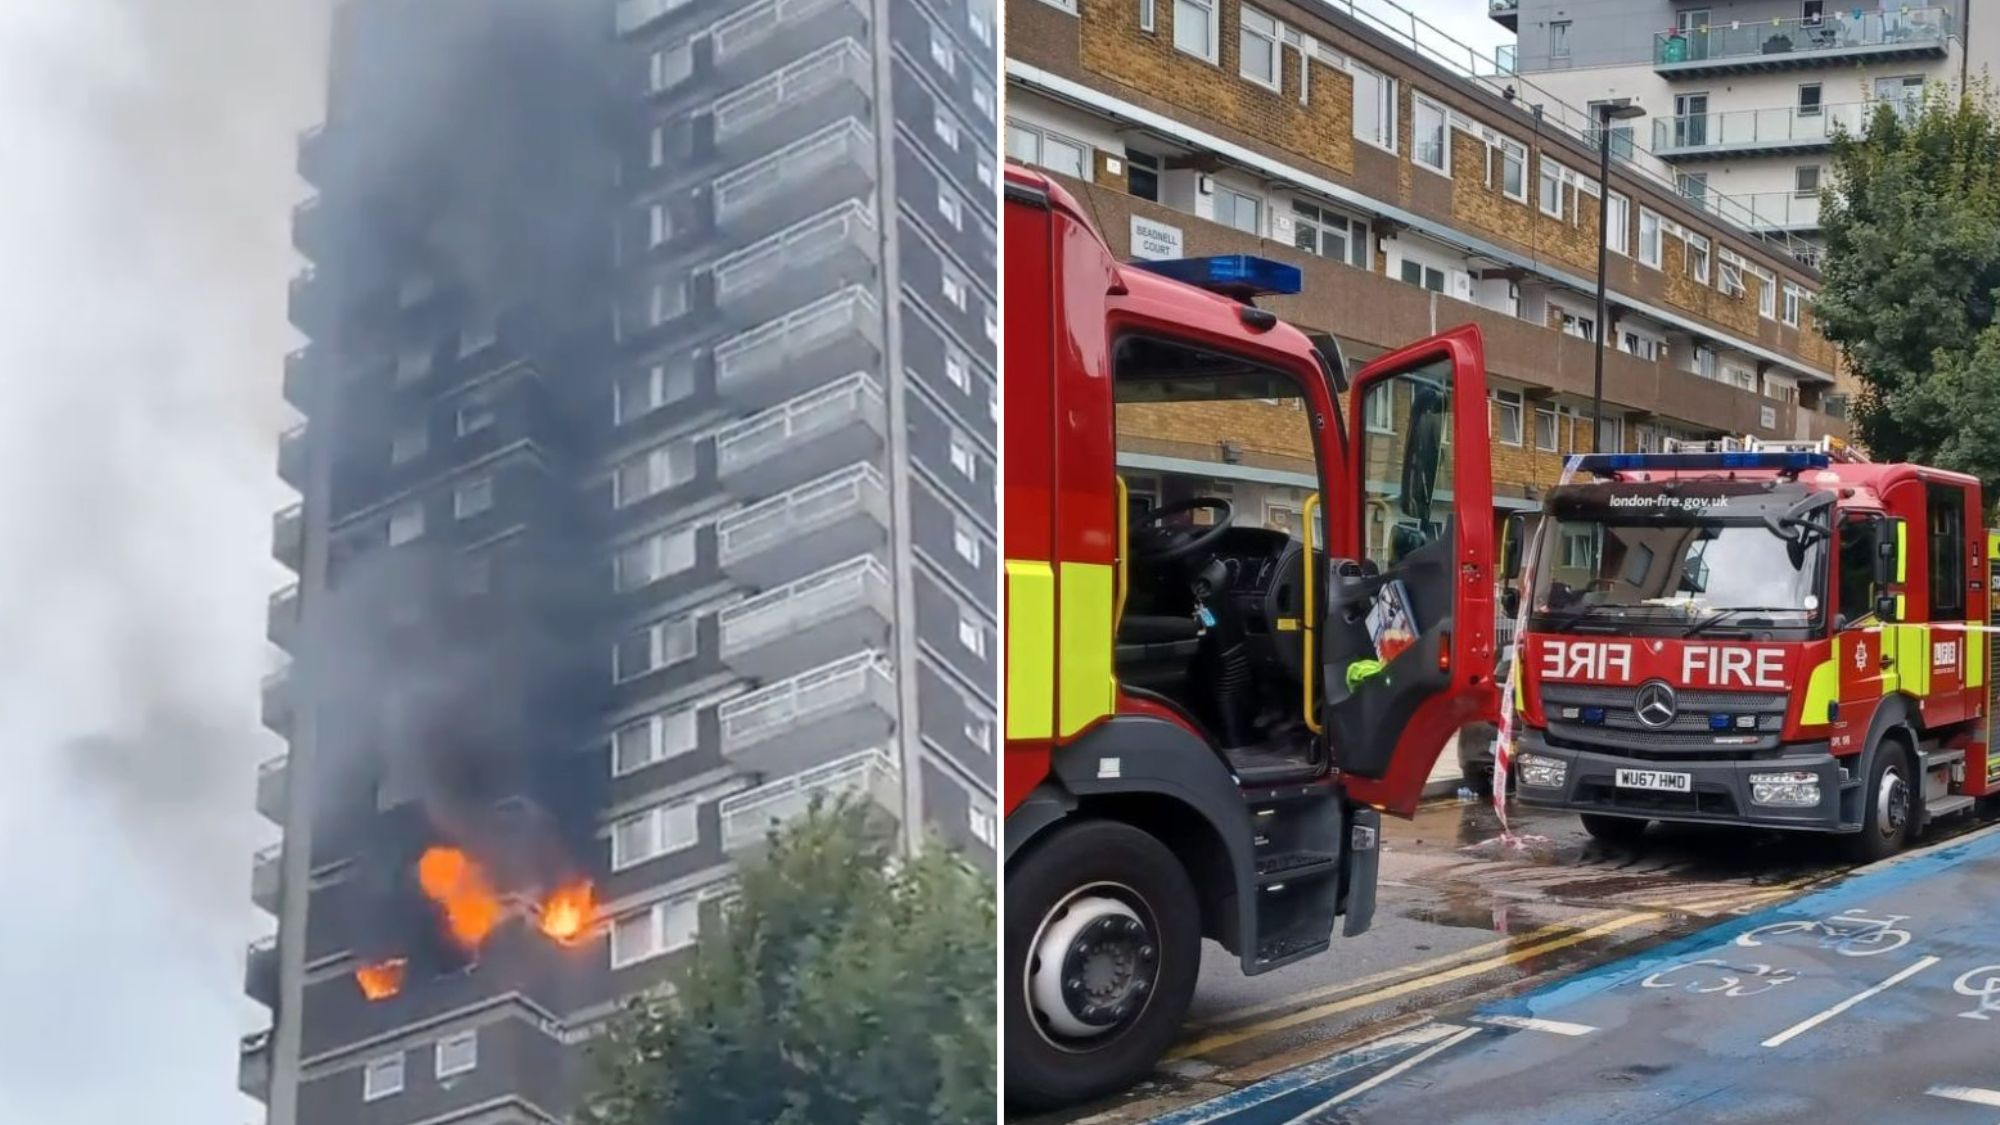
(569, 911)
(380, 980)
(455, 882)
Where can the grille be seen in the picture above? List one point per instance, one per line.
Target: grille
(1690, 721)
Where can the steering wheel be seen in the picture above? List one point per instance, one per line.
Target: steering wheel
(1157, 540)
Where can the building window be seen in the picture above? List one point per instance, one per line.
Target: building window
(979, 17)
(1318, 230)
(645, 391)
(1794, 297)
(1697, 257)
(1704, 363)
(946, 128)
(457, 1054)
(942, 54)
(481, 331)
(669, 300)
(1507, 416)
(1238, 209)
(1694, 188)
(653, 471)
(658, 929)
(1430, 144)
(1142, 175)
(1513, 168)
(413, 363)
(1545, 430)
(652, 739)
(1805, 180)
(654, 833)
(963, 458)
(655, 557)
(972, 635)
(1809, 99)
(1647, 439)
(1551, 195)
(409, 444)
(1559, 41)
(382, 1077)
(985, 169)
(1030, 145)
(1374, 107)
(953, 287)
(659, 645)
(1423, 276)
(1767, 294)
(1618, 232)
(982, 99)
(472, 498)
(1582, 327)
(1148, 15)
(474, 415)
(660, 225)
(1195, 29)
(672, 66)
(964, 539)
(1258, 50)
(1730, 280)
(406, 523)
(948, 206)
(1649, 238)
(980, 822)
(1644, 347)
(1579, 550)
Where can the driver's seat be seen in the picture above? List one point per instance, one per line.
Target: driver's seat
(1155, 629)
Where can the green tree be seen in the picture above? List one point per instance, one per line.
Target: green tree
(845, 987)
(1912, 223)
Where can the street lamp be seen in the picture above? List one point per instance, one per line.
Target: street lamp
(1618, 109)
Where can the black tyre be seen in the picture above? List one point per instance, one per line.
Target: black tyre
(1622, 830)
(1103, 945)
(1888, 809)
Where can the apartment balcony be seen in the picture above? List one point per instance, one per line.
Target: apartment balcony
(818, 170)
(281, 617)
(1788, 211)
(831, 82)
(253, 1065)
(1848, 37)
(635, 14)
(309, 233)
(1506, 13)
(813, 526)
(266, 876)
(770, 363)
(817, 432)
(749, 817)
(811, 718)
(808, 259)
(292, 456)
(757, 40)
(296, 374)
(277, 702)
(809, 622)
(271, 778)
(1755, 132)
(288, 537)
(304, 303)
(260, 971)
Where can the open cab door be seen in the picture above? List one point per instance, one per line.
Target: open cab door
(1407, 634)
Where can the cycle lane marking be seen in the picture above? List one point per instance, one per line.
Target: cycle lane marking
(1972, 1094)
(1400, 1068)
(1824, 1015)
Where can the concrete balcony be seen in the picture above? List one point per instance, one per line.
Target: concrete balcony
(763, 115)
(1786, 211)
(812, 718)
(281, 617)
(277, 702)
(817, 432)
(266, 876)
(313, 145)
(808, 259)
(260, 971)
(253, 1065)
(776, 360)
(760, 38)
(304, 299)
(1842, 38)
(288, 537)
(272, 774)
(750, 817)
(813, 526)
(309, 228)
(834, 163)
(635, 14)
(1755, 132)
(809, 622)
(296, 365)
(1506, 13)
(292, 456)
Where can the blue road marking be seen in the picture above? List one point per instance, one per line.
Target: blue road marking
(1308, 1077)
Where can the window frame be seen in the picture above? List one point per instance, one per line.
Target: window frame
(481, 486)
(1508, 401)
(1818, 105)
(1239, 197)
(1618, 229)
(657, 821)
(1549, 172)
(1653, 254)
(1798, 177)
(1420, 102)
(1211, 25)
(1944, 542)
(1274, 35)
(1387, 104)
(412, 508)
(469, 1040)
(1554, 419)
(1559, 45)
(369, 1090)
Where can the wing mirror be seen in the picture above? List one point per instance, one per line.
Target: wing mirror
(1512, 535)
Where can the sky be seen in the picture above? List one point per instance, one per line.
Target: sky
(146, 188)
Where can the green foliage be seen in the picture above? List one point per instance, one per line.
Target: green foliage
(1912, 223)
(847, 986)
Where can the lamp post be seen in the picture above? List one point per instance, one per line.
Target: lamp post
(1618, 109)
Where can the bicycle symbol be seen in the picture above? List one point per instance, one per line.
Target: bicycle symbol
(1722, 977)
(1983, 982)
(1848, 933)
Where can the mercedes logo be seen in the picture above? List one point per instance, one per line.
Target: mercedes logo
(1655, 704)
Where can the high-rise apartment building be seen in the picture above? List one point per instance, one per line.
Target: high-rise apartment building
(648, 491)
(1743, 97)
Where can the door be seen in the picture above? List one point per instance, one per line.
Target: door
(1690, 120)
(1408, 651)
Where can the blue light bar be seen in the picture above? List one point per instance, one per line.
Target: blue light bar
(1232, 275)
(1790, 460)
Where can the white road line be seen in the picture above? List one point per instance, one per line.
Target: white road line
(1972, 1094)
(1530, 1023)
(1805, 1025)
(1359, 1089)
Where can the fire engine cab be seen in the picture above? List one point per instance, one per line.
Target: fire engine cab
(1773, 634)
(1203, 723)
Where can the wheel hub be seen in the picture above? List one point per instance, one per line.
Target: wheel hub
(1893, 806)
(1092, 967)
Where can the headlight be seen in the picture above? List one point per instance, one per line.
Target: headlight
(1543, 773)
(1793, 789)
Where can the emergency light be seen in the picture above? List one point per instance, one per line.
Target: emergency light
(1232, 275)
(1792, 460)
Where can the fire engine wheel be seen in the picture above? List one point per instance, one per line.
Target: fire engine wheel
(1890, 807)
(1103, 946)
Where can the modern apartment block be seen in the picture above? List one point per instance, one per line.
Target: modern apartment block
(1413, 198)
(1743, 97)
(647, 492)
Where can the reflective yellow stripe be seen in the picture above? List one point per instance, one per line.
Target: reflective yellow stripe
(1124, 554)
(1909, 650)
(1311, 621)
(1823, 689)
(1031, 650)
(1974, 655)
(1088, 691)
(1902, 567)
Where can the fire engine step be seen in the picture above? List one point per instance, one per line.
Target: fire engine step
(1292, 944)
(1254, 766)
(1293, 865)
(1945, 806)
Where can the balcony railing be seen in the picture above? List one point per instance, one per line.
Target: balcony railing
(1778, 127)
(1765, 210)
(1829, 34)
(797, 605)
(750, 718)
(850, 224)
(738, 33)
(780, 343)
(795, 514)
(781, 174)
(265, 876)
(288, 535)
(786, 425)
(292, 455)
(748, 817)
(810, 76)
(281, 615)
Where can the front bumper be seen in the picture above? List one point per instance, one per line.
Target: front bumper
(1720, 789)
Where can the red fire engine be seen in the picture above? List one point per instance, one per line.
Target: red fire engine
(1771, 634)
(1205, 718)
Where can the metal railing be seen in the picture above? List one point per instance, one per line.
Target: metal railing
(823, 690)
(802, 510)
(267, 854)
(1833, 32)
(734, 34)
(272, 765)
(794, 606)
(768, 432)
(774, 345)
(1772, 211)
(757, 102)
(748, 816)
(784, 171)
(1752, 128)
(848, 224)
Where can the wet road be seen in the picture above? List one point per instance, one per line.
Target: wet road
(1466, 999)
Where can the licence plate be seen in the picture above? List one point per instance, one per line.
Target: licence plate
(1656, 779)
